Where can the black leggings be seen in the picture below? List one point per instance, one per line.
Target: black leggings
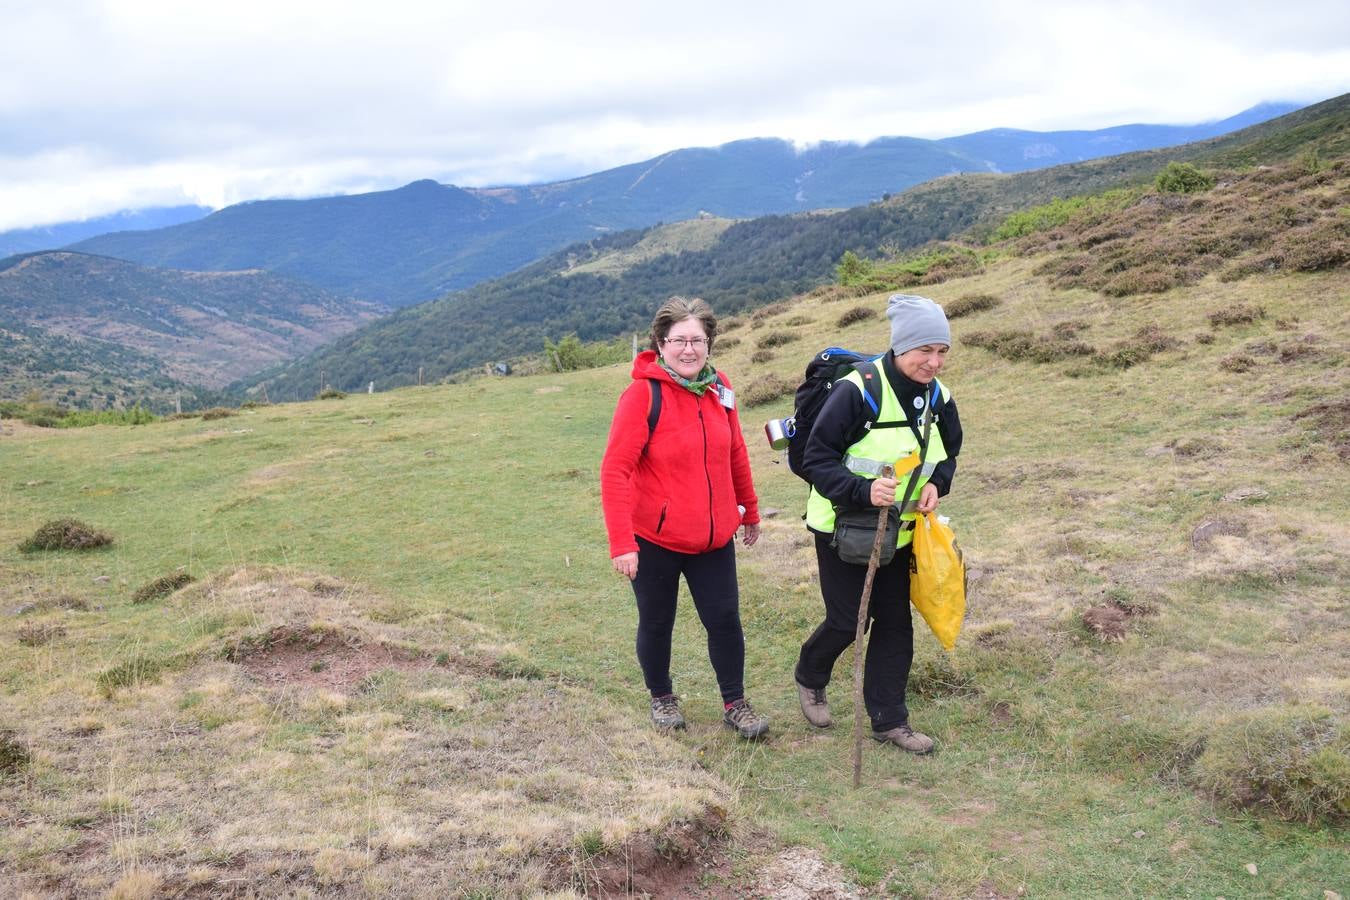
(711, 578)
(890, 648)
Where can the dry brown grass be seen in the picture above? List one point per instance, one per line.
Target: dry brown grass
(421, 770)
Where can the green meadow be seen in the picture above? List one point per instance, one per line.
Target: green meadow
(404, 664)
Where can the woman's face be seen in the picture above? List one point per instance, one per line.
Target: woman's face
(922, 363)
(685, 347)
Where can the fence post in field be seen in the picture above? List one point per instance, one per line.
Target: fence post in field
(419, 376)
(370, 388)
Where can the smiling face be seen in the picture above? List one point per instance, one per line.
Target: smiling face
(922, 363)
(685, 348)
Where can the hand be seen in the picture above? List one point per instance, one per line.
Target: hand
(751, 534)
(883, 491)
(626, 564)
(928, 498)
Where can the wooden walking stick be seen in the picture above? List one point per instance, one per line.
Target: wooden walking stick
(872, 564)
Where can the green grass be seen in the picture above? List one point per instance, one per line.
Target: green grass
(465, 520)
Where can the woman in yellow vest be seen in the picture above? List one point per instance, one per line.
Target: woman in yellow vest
(844, 459)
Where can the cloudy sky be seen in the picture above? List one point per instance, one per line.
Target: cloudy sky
(119, 104)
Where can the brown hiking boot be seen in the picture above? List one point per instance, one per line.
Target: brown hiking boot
(742, 717)
(814, 707)
(666, 712)
(905, 738)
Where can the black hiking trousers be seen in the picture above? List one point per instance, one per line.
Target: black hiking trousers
(890, 644)
(711, 578)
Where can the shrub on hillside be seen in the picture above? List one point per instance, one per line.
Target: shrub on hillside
(969, 304)
(1239, 314)
(1023, 345)
(217, 412)
(1183, 178)
(65, 534)
(855, 315)
(726, 343)
(571, 355)
(1294, 761)
(161, 587)
(761, 356)
(775, 339)
(332, 394)
(768, 389)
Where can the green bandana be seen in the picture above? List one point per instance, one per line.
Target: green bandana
(699, 383)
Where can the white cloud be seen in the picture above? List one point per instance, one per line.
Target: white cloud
(126, 103)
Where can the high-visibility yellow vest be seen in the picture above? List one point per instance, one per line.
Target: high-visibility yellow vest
(884, 446)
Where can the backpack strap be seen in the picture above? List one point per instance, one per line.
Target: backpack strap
(871, 378)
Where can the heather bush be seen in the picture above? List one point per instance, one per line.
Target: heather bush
(65, 534)
(1183, 178)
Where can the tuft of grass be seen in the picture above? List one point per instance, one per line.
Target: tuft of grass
(970, 304)
(1238, 314)
(14, 756)
(161, 587)
(855, 315)
(65, 534)
(136, 670)
(35, 634)
(938, 676)
(1294, 761)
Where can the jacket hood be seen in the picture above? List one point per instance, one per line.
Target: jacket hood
(646, 365)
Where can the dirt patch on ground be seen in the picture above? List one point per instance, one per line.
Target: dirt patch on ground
(800, 874)
(314, 658)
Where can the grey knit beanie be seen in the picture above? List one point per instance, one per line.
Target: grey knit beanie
(916, 321)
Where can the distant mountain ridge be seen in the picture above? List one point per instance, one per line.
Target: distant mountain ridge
(749, 264)
(424, 239)
(203, 328)
(53, 237)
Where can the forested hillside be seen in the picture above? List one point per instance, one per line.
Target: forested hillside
(753, 262)
(203, 328)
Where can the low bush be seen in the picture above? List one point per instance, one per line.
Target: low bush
(726, 343)
(1293, 761)
(855, 315)
(970, 304)
(332, 394)
(161, 587)
(1023, 345)
(1183, 178)
(130, 673)
(775, 339)
(65, 534)
(1240, 314)
(761, 356)
(1238, 362)
(768, 389)
(217, 412)
(35, 634)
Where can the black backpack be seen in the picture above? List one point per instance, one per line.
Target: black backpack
(824, 369)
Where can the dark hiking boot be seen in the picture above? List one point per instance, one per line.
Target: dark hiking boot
(905, 738)
(666, 712)
(742, 717)
(814, 707)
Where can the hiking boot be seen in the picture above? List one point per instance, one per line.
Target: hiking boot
(814, 707)
(666, 712)
(905, 738)
(742, 717)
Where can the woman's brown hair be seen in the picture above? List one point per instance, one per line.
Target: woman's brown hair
(676, 310)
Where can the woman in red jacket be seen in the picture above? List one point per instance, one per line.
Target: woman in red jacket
(674, 493)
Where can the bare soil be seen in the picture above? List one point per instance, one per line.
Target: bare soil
(324, 659)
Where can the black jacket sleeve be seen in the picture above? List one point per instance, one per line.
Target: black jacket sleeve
(949, 426)
(840, 424)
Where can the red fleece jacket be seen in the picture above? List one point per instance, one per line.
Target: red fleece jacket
(682, 493)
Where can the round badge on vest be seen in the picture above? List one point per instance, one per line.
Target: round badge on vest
(918, 403)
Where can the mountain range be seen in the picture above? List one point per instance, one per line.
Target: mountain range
(422, 240)
(737, 267)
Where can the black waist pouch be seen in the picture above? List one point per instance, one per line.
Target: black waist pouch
(855, 531)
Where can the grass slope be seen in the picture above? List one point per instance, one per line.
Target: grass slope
(1199, 752)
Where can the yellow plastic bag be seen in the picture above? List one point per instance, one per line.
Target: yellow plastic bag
(937, 578)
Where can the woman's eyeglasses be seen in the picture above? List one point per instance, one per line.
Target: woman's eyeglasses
(696, 343)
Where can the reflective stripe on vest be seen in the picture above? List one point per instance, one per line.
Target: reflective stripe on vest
(878, 447)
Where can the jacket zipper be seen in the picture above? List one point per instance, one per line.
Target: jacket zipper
(703, 425)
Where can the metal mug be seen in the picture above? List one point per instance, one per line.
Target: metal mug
(780, 432)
